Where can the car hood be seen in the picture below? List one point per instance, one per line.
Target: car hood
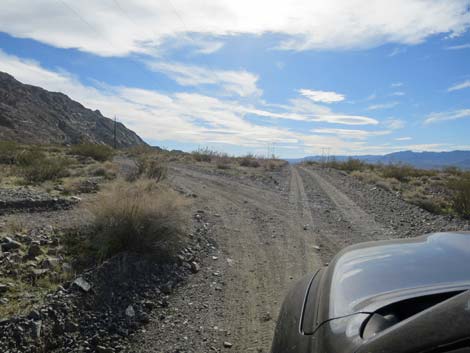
(366, 276)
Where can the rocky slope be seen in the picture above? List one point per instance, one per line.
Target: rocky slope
(30, 114)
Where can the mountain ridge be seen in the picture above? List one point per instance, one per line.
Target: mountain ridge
(425, 159)
(31, 114)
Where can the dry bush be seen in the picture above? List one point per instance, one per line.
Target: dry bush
(223, 162)
(250, 161)
(366, 176)
(150, 168)
(29, 157)
(99, 153)
(44, 169)
(350, 165)
(204, 155)
(273, 164)
(8, 151)
(139, 217)
(461, 196)
(107, 170)
(404, 172)
(452, 170)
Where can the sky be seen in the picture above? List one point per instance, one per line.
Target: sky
(266, 76)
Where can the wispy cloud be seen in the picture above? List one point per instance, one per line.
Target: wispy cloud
(459, 86)
(120, 28)
(352, 134)
(188, 117)
(405, 138)
(394, 124)
(396, 84)
(398, 93)
(447, 116)
(242, 83)
(322, 96)
(396, 51)
(382, 106)
(459, 47)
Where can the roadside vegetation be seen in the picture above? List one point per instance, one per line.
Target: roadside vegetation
(133, 210)
(244, 163)
(445, 191)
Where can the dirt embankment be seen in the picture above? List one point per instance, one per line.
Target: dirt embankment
(268, 236)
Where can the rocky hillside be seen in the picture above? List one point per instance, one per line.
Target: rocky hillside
(30, 114)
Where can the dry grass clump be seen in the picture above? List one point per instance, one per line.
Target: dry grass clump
(350, 165)
(8, 151)
(461, 195)
(36, 167)
(140, 217)
(367, 176)
(150, 167)
(404, 172)
(107, 170)
(250, 161)
(99, 153)
(204, 155)
(223, 162)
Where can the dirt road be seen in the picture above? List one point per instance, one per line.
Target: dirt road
(266, 238)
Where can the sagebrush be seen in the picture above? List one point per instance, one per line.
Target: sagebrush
(140, 217)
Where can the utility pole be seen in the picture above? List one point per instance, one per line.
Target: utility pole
(115, 128)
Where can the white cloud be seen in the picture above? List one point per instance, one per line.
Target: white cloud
(188, 117)
(396, 84)
(398, 93)
(459, 86)
(382, 106)
(119, 28)
(405, 138)
(397, 51)
(241, 82)
(394, 124)
(447, 116)
(352, 134)
(458, 47)
(322, 96)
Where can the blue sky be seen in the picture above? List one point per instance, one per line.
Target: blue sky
(357, 77)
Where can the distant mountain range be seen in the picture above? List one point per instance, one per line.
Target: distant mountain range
(425, 160)
(30, 114)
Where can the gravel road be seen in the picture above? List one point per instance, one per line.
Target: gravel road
(267, 236)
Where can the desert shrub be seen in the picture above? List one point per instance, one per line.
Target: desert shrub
(204, 154)
(452, 170)
(223, 162)
(44, 169)
(366, 176)
(29, 157)
(350, 165)
(8, 151)
(150, 168)
(461, 196)
(156, 170)
(139, 217)
(107, 170)
(404, 172)
(428, 205)
(99, 153)
(250, 161)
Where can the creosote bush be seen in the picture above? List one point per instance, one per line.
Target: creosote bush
(44, 169)
(99, 153)
(461, 196)
(8, 151)
(140, 217)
